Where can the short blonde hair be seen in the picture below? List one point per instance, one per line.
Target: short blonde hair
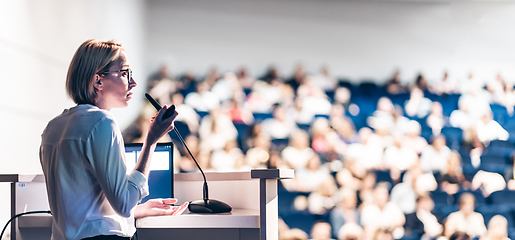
(92, 57)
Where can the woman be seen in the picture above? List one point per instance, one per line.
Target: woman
(466, 220)
(90, 191)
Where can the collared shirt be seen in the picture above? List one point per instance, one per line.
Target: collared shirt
(89, 191)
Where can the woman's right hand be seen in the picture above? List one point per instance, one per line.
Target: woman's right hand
(159, 126)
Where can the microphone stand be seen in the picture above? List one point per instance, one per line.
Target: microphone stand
(206, 205)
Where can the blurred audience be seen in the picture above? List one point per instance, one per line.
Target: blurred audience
(349, 148)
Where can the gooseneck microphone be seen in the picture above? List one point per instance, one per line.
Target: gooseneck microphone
(199, 206)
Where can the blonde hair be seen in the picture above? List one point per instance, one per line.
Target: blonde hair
(92, 57)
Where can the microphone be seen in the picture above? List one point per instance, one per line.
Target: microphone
(205, 205)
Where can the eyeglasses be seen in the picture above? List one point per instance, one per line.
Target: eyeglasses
(128, 73)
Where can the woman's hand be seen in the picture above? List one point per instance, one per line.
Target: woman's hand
(159, 126)
(158, 207)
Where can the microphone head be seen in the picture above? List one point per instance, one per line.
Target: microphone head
(209, 206)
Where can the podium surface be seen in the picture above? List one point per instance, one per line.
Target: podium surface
(251, 194)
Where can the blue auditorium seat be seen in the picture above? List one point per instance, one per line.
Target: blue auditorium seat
(259, 117)
(441, 198)
(489, 211)
(503, 197)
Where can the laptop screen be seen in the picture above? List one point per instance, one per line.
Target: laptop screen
(160, 180)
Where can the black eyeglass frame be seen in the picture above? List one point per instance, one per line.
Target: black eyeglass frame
(128, 70)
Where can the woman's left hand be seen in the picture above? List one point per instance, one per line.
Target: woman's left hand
(158, 207)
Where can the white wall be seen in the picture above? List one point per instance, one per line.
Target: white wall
(357, 39)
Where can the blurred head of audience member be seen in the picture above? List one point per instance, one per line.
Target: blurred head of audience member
(321, 231)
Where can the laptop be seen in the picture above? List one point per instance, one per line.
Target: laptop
(160, 180)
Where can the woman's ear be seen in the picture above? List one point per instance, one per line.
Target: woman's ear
(97, 82)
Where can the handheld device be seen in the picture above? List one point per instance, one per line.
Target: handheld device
(169, 112)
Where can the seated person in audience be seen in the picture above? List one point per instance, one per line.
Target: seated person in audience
(227, 88)
(351, 175)
(184, 162)
(342, 97)
(310, 177)
(238, 113)
(325, 80)
(266, 92)
(445, 86)
(188, 114)
(415, 183)
(417, 105)
(244, 79)
(399, 157)
(136, 132)
(161, 85)
(476, 101)
(228, 159)
(488, 182)
(452, 178)
(368, 152)
(414, 140)
(421, 83)
(497, 229)
(281, 126)
(351, 231)
(314, 98)
(488, 129)
(299, 113)
(321, 231)
(382, 214)
(461, 117)
(298, 153)
(434, 157)
(508, 97)
(345, 211)
(466, 220)
(298, 77)
(258, 156)
(422, 222)
(215, 130)
(393, 85)
(203, 99)
(436, 121)
(323, 199)
(345, 129)
(383, 115)
(366, 191)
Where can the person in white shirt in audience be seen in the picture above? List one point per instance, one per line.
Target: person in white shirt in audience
(321, 231)
(466, 220)
(228, 159)
(418, 105)
(497, 229)
(298, 153)
(413, 139)
(203, 99)
(310, 177)
(383, 213)
(188, 114)
(281, 126)
(488, 129)
(434, 157)
(436, 121)
(215, 130)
